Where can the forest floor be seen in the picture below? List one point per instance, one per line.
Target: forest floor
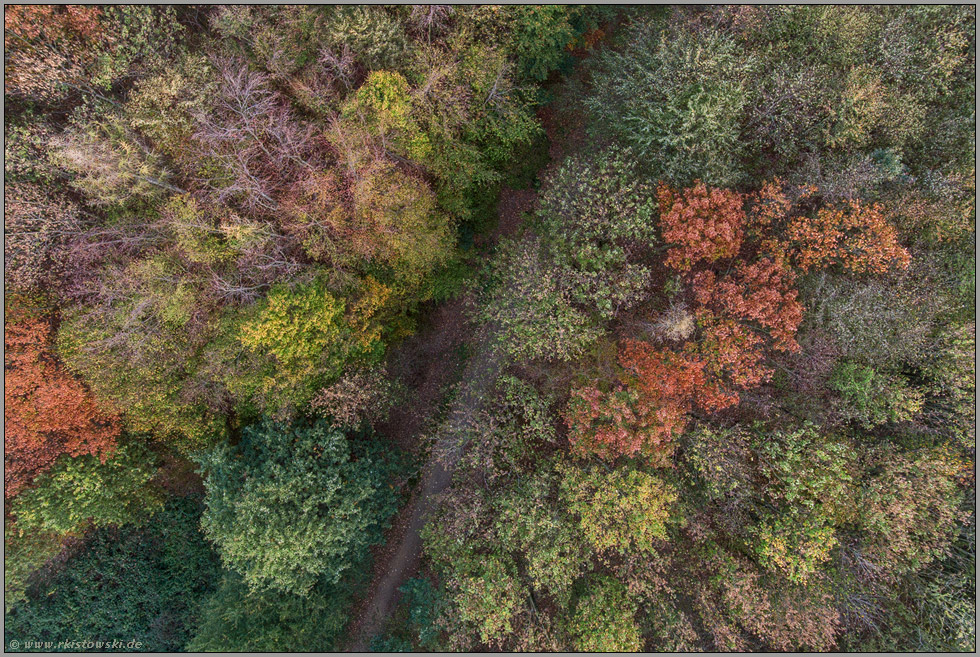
(425, 363)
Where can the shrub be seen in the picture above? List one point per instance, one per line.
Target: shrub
(624, 511)
(909, 508)
(678, 99)
(872, 398)
(82, 492)
(596, 218)
(293, 504)
(127, 583)
(530, 304)
(604, 619)
(236, 618)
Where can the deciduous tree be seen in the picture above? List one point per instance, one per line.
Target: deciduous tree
(292, 505)
(83, 492)
(700, 224)
(47, 413)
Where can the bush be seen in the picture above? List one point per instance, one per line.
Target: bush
(307, 340)
(871, 398)
(531, 306)
(596, 217)
(23, 554)
(126, 583)
(82, 492)
(678, 99)
(604, 619)
(292, 505)
(238, 619)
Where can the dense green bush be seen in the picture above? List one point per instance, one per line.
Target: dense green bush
(126, 583)
(415, 623)
(597, 219)
(604, 619)
(678, 98)
(237, 618)
(24, 553)
(294, 504)
(83, 492)
(530, 304)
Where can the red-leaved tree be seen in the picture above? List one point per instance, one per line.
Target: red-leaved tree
(702, 224)
(744, 309)
(853, 235)
(46, 412)
(734, 359)
(646, 411)
(761, 293)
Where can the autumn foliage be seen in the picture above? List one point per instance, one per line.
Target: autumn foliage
(760, 292)
(690, 311)
(701, 224)
(47, 413)
(48, 45)
(29, 22)
(853, 235)
(744, 307)
(647, 410)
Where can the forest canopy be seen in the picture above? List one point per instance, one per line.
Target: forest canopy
(640, 328)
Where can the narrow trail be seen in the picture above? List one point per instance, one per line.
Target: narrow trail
(479, 374)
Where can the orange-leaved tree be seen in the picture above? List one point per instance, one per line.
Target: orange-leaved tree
(702, 224)
(47, 412)
(761, 292)
(852, 235)
(644, 413)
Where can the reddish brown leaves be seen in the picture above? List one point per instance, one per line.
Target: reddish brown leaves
(47, 413)
(854, 236)
(702, 224)
(47, 45)
(743, 308)
(647, 410)
(734, 359)
(23, 23)
(621, 423)
(761, 292)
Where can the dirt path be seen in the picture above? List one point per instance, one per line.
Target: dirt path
(401, 556)
(480, 373)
